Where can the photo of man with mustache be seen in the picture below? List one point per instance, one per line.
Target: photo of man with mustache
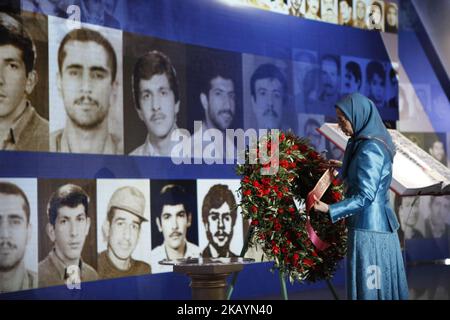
(121, 230)
(157, 102)
(86, 81)
(330, 80)
(268, 87)
(173, 209)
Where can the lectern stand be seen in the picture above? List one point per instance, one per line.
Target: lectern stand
(209, 275)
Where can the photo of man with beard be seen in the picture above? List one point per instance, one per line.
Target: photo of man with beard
(86, 82)
(214, 93)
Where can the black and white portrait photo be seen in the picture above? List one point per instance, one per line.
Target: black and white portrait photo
(123, 232)
(219, 220)
(391, 20)
(329, 11)
(267, 93)
(330, 82)
(376, 83)
(215, 93)
(296, 8)
(312, 10)
(86, 114)
(174, 222)
(305, 76)
(24, 88)
(435, 143)
(359, 14)
(155, 94)
(353, 71)
(18, 234)
(67, 232)
(345, 12)
(375, 15)
(392, 86)
(307, 128)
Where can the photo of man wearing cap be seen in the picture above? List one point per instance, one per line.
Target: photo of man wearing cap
(121, 230)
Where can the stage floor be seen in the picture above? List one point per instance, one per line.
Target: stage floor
(426, 282)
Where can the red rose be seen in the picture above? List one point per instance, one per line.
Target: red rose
(246, 179)
(277, 225)
(284, 250)
(294, 147)
(291, 210)
(313, 155)
(303, 148)
(282, 137)
(308, 262)
(284, 163)
(295, 258)
(336, 196)
(314, 253)
(279, 195)
(256, 184)
(247, 192)
(336, 182)
(254, 209)
(280, 210)
(255, 222)
(275, 249)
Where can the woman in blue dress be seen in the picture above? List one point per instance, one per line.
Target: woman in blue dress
(375, 268)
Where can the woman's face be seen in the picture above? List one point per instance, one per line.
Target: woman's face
(344, 123)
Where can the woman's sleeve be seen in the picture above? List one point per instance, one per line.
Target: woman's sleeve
(369, 165)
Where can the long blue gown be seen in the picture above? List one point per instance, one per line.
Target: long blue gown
(375, 268)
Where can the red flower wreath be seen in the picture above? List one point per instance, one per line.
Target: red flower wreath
(279, 227)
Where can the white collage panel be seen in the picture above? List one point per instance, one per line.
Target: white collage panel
(57, 29)
(329, 11)
(203, 187)
(307, 125)
(105, 190)
(29, 187)
(351, 69)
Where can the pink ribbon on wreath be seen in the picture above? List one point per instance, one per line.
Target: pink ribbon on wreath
(318, 191)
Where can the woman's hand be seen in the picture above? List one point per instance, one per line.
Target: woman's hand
(320, 206)
(335, 163)
(331, 164)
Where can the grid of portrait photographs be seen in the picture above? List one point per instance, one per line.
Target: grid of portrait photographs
(63, 231)
(377, 15)
(98, 90)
